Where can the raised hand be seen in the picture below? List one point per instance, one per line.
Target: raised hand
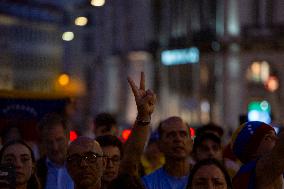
(145, 99)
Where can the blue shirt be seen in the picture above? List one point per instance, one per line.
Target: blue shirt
(57, 177)
(162, 180)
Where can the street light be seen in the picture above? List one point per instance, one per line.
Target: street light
(81, 21)
(68, 36)
(63, 79)
(97, 3)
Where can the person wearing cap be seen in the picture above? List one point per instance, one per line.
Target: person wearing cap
(105, 124)
(210, 128)
(207, 145)
(262, 153)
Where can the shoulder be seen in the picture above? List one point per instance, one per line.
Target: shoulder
(245, 177)
(153, 178)
(157, 173)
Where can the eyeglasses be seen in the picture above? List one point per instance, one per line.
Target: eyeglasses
(89, 158)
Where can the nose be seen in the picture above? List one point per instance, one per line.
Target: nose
(178, 138)
(109, 162)
(210, 153)
(54, 146)
(210, 185)
(18, 163)
(83, 162)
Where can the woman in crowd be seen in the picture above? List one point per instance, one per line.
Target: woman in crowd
(20, 155)
(209, 174)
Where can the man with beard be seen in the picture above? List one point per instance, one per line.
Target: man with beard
(51, 168)
(176, 144)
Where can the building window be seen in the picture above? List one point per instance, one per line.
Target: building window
(258, 72)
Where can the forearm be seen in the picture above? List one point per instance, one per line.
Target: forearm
(145, 103)
(134, 148)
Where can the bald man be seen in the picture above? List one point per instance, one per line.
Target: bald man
(85, 163)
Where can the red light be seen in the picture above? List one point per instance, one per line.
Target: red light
(192, 132)
(73, 135)
(125, 134)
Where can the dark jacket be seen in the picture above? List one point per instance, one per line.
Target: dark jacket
(42, 171)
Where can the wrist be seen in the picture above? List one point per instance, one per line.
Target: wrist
(143, 120)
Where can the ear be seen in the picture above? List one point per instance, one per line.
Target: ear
(33, 168)
(160, 145)
(268, 137)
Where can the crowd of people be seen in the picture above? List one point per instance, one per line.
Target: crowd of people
(167, 158)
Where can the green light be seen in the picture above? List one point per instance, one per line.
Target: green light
(262, 106)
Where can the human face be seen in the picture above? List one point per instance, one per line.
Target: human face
(85, 165)
(209, 177)
(113, 158)
(175, 141)
(208, 149)
(20, 156)
(56, 143)
(267, 143)
(103, 130)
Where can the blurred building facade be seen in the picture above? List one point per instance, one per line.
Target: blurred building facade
(240, 45)
(31, 50)
(236, 39)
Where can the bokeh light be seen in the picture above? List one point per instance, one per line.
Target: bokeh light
(98, 3)
(68, 36)
(63, 79)
(81, 21)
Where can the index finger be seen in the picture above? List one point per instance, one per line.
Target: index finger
(142, 81)
(133, 86)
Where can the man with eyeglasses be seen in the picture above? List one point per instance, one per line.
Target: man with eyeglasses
(112, 150)
(85, 163)
(85, 160)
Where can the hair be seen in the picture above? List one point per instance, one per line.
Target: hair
(209, 128)
(49, 121)
(105, 120)
(206, 162)
(33, 182)
(206, 136)
(110, 140)
(7, 130)
(167, 121)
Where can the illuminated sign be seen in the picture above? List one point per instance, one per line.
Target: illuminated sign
(259, 111)
(180, 56)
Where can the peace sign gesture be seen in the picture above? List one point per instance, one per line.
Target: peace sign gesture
(145, 99)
